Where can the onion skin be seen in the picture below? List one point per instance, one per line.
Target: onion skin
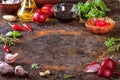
(93, 67)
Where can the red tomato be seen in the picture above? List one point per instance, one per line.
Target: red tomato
(47, 9)
(101, 23)
(39, 17)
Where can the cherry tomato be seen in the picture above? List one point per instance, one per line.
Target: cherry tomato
(101, 23)
(47, 9)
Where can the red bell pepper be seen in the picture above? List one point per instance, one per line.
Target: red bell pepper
(6, 48)
(27, 26)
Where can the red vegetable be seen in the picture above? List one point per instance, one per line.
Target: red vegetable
(107, 68)
(27, 26)
(93, 67)
(109, 63)
(17, 27)
(6, 48)
(105, 71)
(39, 17)
(101, 23)
(47, 9)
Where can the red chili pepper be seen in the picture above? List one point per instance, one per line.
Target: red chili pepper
(27, 26)
(17, 27)
(6, 48)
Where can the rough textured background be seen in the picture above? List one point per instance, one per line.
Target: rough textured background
(61, 48)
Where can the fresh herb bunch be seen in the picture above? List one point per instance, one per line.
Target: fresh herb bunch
(113, 44)
(92, 8)
(7, 40)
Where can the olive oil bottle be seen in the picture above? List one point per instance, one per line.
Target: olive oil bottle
(27, 10)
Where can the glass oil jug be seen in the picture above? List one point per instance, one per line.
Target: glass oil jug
(27, 10)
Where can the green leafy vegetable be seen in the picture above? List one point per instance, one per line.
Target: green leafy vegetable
(113, 44)
(92, 8)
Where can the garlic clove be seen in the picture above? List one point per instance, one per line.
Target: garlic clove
(42, 74)
(9, 17)
(47, 72)
(10, 58)
(20, 71)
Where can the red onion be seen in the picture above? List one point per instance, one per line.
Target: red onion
(39, 17)
(93, 67)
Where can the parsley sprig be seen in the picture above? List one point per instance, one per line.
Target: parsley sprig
(113, 44)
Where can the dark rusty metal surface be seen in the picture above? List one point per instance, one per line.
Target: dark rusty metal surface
(61, 48)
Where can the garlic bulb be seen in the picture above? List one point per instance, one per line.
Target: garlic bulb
(20, 71)
(10, 58)
(5, 68)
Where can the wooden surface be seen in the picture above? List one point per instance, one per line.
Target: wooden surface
(64, 49)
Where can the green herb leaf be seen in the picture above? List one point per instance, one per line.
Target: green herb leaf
(110, 42)
(16, 34)
(35, 65)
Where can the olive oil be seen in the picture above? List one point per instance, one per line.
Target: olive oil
(27, 10)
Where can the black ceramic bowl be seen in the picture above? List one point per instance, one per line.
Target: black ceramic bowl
(65, 12)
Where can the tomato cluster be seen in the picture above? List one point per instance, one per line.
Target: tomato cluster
(42, 14)
(101, 23)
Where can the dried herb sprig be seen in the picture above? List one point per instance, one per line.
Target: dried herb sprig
(68, 76)
(113, 44)
(7, 40)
